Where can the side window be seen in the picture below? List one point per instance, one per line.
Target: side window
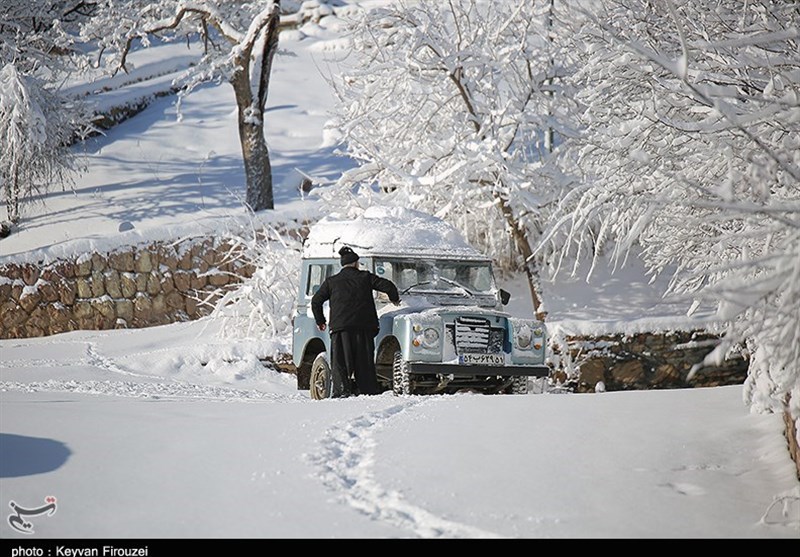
(317, 273)
(384, 269)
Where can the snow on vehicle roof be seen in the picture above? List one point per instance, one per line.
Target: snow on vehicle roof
(392, 231)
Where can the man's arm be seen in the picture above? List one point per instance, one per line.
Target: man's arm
(386, 286)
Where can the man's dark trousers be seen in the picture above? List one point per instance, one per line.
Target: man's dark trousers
(352, 357)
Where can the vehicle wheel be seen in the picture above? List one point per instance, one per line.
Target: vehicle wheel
(320, 377)
(519, 385)
(401, 382)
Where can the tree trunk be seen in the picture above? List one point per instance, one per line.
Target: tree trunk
(12, 197)
(257, 167)
(518, 233)
(520, 238)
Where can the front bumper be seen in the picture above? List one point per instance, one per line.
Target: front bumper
(457, 370)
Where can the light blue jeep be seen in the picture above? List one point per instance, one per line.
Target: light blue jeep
(449, 332)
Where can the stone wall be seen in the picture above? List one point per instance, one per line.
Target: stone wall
(649, 361)
(137, 286)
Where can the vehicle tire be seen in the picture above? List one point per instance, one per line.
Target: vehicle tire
(401, 381)
(320, 383)
(519, 385)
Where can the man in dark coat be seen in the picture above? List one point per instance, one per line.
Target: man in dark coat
(353, 324)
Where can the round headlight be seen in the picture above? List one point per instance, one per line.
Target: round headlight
(430, 337)
(524, 338)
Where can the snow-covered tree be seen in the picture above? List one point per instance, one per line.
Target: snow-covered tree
(34, 154)
(690, 151)
(239, 39)
(445, 105)
(262, 304)
(36, 123)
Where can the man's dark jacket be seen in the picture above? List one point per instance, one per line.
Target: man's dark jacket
(352, 306)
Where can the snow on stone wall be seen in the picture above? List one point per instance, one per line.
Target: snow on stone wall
(139, 286)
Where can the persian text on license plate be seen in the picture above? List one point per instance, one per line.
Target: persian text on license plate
(482, 359)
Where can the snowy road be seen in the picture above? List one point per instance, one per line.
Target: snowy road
(155, 433)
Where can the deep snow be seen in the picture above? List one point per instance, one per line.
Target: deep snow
(176, 432)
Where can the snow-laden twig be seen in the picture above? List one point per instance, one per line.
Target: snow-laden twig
(696, 164)
(260, 305)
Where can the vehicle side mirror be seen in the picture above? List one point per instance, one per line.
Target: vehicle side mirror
(504, 297)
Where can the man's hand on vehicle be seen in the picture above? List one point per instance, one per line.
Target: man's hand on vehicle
(321, 326)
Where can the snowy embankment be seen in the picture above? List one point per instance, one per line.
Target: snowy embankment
(165, 175)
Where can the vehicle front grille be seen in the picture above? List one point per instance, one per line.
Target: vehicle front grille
(474, 335)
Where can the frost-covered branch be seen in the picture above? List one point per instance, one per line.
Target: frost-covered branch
(239, 39)
(261, 305)
(445, 107)
(689, 152)
(36, 123)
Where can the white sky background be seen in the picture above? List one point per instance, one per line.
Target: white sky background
(175, 432)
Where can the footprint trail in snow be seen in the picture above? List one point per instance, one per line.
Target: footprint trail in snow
(346, 461)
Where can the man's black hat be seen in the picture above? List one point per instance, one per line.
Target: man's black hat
(347, 256)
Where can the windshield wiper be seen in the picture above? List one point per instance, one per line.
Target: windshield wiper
(415, 285)
(458, 285)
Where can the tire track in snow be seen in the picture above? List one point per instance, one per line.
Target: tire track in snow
(43, 362)
(346, 460)
(93, 358)
(61, 361)
(150, 388)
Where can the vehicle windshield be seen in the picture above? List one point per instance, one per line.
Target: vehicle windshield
(465, 278)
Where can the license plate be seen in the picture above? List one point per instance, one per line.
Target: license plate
(482, 359)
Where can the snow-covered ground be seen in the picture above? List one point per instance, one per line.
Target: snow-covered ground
(177, 432)
(135, 438)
